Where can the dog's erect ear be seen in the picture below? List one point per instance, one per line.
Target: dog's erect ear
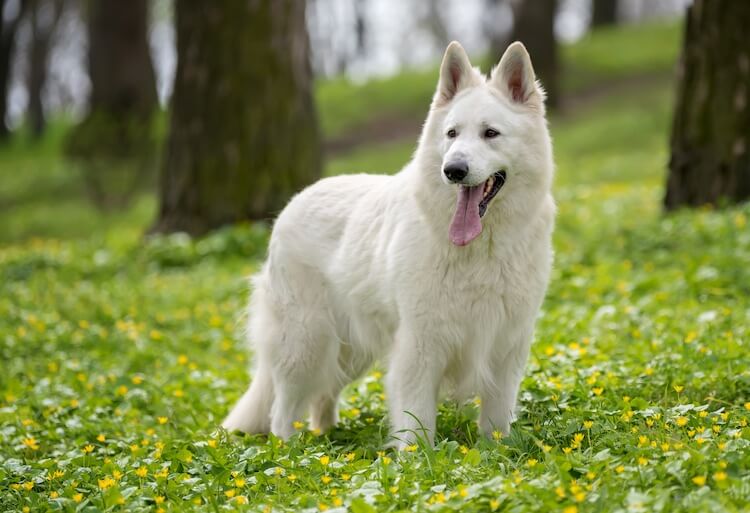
(455, 73)
(514, 76)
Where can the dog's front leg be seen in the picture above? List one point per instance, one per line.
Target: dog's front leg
(499, 398)
(415, 370)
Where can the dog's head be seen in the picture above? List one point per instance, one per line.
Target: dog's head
(491, 135)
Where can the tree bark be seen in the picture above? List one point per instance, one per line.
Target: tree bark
(243, 131)
(115, 144)
(42, 30)
(534, 26)
(603, 13)
(710, 162)
(122, 76)
(7, 46)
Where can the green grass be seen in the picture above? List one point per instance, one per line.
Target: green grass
(120, 356)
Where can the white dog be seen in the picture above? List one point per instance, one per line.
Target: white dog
(439, 270)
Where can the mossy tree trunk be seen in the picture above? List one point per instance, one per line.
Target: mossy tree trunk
(534, 26)
(122, 76)
(115, 144)
(710, 159)
(243, 132)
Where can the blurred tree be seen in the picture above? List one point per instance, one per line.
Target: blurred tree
(8, 29)
(534, 26)
(603, 13)
(43, 18)
(116, 143)
(710, 159)
(243, 131)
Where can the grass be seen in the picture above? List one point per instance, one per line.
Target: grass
(121, 356)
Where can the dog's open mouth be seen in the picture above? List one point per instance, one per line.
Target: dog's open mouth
(471, 205)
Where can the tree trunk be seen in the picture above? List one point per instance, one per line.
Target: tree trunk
(42, 30)
(710, 162)
(7, 45)
(534, 26)
(122, 76)
(243, 132)
(115, 144)
(603, 13)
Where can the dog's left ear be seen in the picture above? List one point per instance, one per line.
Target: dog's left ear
(455, 74)
(514, 76)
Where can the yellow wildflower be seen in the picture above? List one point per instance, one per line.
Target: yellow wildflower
(699, 480)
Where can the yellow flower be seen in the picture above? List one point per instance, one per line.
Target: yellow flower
(578, 437)
(78, 497)
(567, 450)
(239, 483)
(678, 388)
(642, 461)
(531, 462)
(338, 502)
(141, 471)
(137, 380)
(88, 448)
(494, 504)
(570, 509)
(182, 359)
(597, 390)
(720, 476)
(28, 485)
(681, 421)
(241, 499)
(619, 469)
(292, 477)
(211, 443)
(497, 435)
(117, 475)
(324, 460)
(410, 448)
(322, 506)
(386, 460)
(230, 493)
(298, 425)
(105, 483)
(121, 390)
(588, 424)
(31, 443)
(162, 420)
(350, 456)
(699, 480)
(346, 477)
(101, 438)
(326, 479)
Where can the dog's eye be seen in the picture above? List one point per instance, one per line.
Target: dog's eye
(491, 133)
(451, 133)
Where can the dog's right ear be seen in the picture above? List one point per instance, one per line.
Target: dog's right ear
(455, 74)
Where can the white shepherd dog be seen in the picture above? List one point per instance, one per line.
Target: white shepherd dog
(439, 271)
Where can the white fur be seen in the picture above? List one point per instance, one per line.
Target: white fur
(360, 268)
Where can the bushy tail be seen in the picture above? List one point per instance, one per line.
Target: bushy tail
(252, 413)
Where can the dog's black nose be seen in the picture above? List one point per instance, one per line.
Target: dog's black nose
(456, 171)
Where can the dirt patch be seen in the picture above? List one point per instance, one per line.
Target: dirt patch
(393, 127)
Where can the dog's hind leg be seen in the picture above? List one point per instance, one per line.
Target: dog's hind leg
(252, 413)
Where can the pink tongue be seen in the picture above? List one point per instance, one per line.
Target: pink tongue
(466, 225)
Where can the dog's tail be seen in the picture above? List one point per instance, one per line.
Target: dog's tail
(252, 413)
